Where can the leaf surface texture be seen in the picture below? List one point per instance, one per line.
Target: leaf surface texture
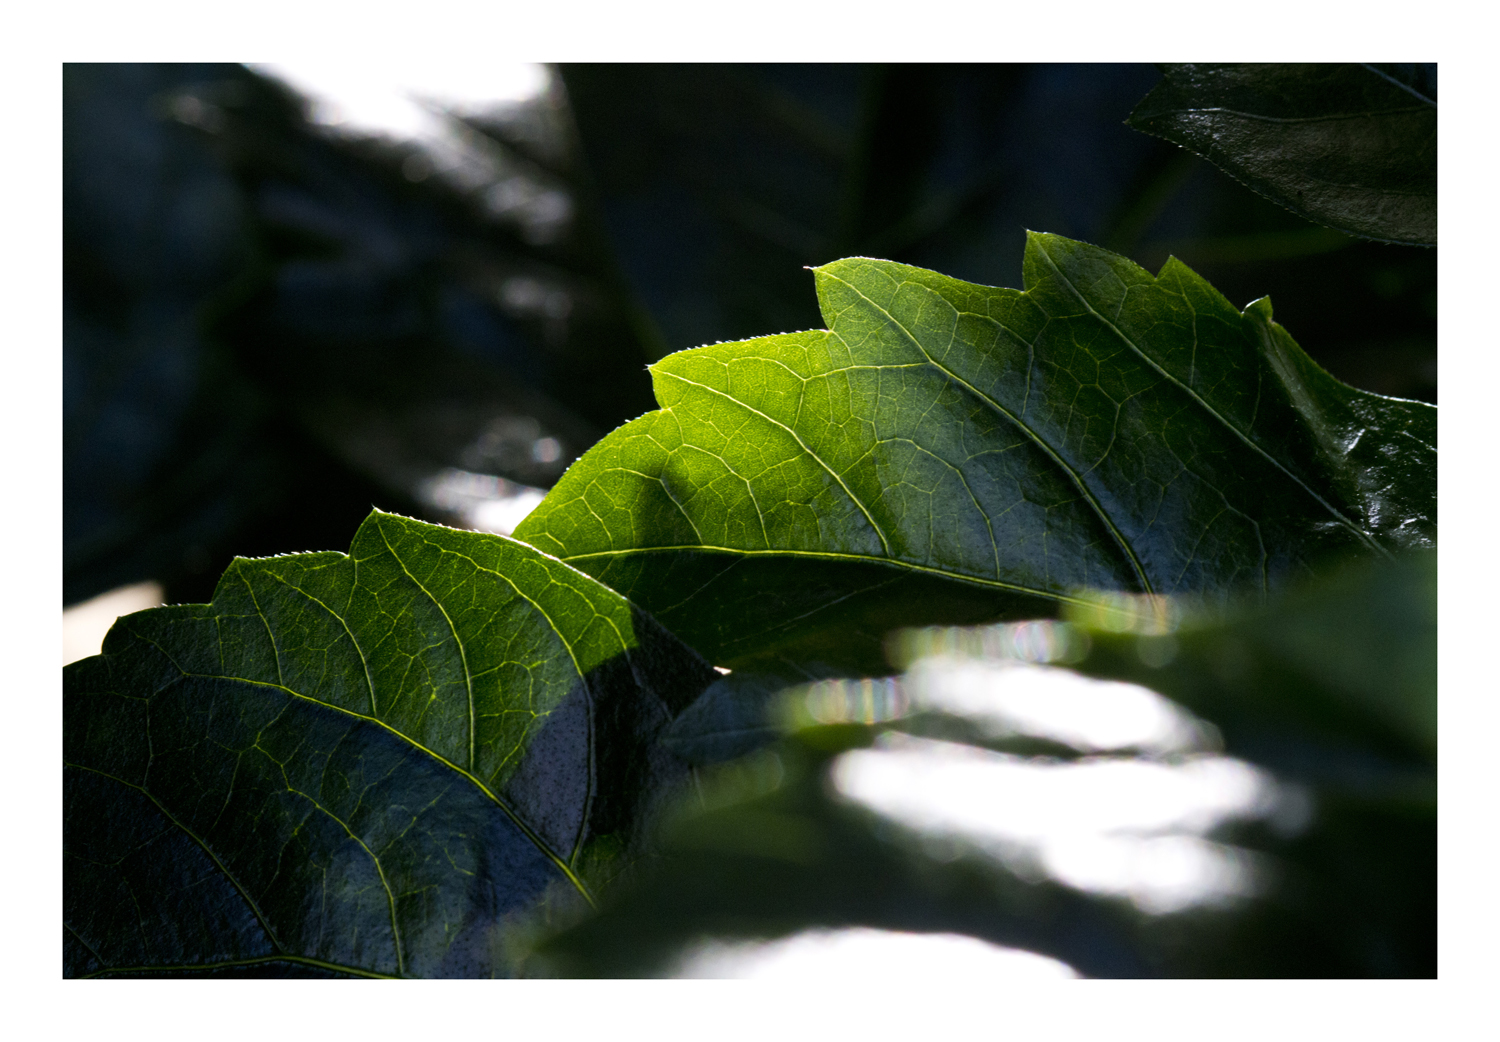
(1352, 147)
(947, 450)
(360, 763)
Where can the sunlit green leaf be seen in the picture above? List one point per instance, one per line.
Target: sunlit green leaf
(1353, 147)
(360, 763)
(953, 452)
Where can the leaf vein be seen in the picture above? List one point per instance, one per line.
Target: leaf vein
(884, 542)
(1241, 435)
(244, 894)
(1052, 454)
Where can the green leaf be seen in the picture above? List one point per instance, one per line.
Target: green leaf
(957, 453)
(358, 764)
(1353, 147)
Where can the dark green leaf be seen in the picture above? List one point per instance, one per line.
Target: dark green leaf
(733, 716)
(1353, 147)
(358, 763)
(952, 452)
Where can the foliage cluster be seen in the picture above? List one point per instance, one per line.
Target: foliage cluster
(451, 753)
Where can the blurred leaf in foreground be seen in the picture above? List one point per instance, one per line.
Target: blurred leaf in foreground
(1280, 820)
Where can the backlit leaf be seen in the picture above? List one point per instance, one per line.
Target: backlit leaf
(358, 764)
(953, 452)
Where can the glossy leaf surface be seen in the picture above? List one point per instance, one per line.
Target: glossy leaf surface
(358, 763)
(953, 452)
(1353, 147)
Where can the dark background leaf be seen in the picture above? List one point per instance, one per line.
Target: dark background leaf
(270, 328)
(1352, 147)
(946, 167)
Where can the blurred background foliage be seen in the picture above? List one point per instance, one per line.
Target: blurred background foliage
(273, 322)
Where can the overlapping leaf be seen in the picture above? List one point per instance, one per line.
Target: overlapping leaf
(358, 764)
(953, 452)
(1353, 147)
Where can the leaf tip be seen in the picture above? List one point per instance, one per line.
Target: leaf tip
(1037, 240)
(1260, 308)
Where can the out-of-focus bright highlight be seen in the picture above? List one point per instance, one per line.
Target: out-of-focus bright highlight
(863, 955)
(85, 624)
(851, 702)
(1004, 698)
(414, 103)
(1145, 613)
(1128, 827)
(1047, 702)
(397, 97)
(483, 502)
(1040, 640)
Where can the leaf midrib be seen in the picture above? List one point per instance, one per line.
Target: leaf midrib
(886, 562)
(520, 823)
(1328, 117)
(259, 960)
(1245, 439)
